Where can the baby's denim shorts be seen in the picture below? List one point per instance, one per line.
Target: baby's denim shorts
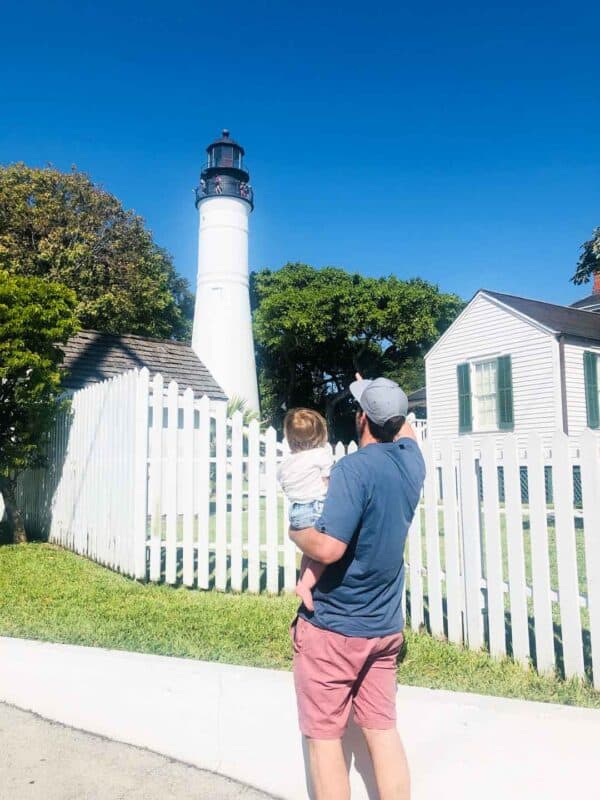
(304, 515)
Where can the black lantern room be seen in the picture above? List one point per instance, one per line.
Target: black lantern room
(224, 174)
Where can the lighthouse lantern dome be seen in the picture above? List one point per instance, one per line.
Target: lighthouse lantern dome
(224, 172)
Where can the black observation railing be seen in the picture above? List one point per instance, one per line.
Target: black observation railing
(225, 186)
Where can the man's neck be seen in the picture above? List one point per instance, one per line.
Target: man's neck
(367, 438)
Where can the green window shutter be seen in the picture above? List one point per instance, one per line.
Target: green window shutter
(590, 374)
(504, 400)
(465, 418)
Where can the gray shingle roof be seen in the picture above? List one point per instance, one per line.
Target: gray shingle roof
(589, 302)
(91, 357)
(559, 319)
(418, 398)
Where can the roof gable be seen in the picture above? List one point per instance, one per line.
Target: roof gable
(91, 357)
(557, 319)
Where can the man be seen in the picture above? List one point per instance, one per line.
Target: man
(345, 651)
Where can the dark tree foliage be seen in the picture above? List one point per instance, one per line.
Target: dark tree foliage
(62, 227)
(314, 328)
(589, 260)
(35, 317)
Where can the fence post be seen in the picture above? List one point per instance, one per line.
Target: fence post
(156, 478)
(237, 424)
(452, 549)
(188, 487)
(493, 548)
(517, 584)
(271, 511)
(254, 506)
(140, 480)
(432, 542)
(590, 484)
(470, 533)
(566, 556)
(540, 563)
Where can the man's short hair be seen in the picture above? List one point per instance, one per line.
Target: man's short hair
(388, 431)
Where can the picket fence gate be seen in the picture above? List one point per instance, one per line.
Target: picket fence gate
(156, 484)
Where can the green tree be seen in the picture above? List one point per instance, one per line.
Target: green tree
(315, 328)
(35, 317)
(589, 260)
(62, 227)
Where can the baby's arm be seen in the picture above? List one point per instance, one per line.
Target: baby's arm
(310, 572)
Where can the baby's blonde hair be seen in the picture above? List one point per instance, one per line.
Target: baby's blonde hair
(304, 429)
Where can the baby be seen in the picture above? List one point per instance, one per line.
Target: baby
(304, 476)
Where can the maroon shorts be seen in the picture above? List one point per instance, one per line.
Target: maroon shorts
(335, 674)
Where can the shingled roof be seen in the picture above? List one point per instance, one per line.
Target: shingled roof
(558, 319)
(91, 357)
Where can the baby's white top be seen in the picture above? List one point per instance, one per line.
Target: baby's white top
(301, 474)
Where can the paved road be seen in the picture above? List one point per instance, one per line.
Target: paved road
(42, 760)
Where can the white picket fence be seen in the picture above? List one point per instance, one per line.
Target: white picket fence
(163, 487)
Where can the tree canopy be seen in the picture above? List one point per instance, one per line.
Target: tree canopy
(314, 328)
(35, 317)
(63, 227)
(589, 260)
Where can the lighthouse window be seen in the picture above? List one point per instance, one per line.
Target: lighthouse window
(217, 293)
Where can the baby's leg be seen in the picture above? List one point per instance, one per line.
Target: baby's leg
(310, 572)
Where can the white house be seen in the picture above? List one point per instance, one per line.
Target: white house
(512, 364)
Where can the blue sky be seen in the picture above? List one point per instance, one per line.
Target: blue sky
(459, 142)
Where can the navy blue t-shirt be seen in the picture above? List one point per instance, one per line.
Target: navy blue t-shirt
(370, 503)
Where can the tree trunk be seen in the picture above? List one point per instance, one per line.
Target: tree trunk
(14, 517)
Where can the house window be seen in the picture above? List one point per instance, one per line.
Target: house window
(485, 395)
(591, 373)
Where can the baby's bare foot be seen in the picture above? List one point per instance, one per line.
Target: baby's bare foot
(305, 595)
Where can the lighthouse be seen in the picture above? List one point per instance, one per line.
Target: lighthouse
(222, 332)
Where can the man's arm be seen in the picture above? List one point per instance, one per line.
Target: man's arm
(319, 546)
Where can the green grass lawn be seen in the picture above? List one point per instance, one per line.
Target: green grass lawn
(51, 594)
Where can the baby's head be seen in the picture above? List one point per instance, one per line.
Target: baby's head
(304, 429)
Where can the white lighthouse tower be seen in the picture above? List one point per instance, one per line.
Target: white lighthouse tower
(222, 333)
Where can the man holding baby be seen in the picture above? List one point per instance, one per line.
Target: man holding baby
(346, 649)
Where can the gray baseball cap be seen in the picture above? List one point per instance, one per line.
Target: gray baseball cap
(380, 399)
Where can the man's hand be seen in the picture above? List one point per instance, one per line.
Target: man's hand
(319, 546)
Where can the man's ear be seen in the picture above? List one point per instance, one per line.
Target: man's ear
(362, 422)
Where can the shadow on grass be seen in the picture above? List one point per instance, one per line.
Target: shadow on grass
(212, 570)
(557, 635)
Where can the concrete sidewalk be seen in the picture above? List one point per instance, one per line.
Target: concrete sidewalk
(241, 722)
(42, 760)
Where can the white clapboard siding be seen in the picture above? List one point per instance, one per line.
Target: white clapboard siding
(590, 480)
(486, 328)
(471, 543)
(432, 542)
(517, 585)
(566, 553)
(236, 501)
(575, 386)
(540, 560)
(454, 591)
(493, 549)
(202, 493)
